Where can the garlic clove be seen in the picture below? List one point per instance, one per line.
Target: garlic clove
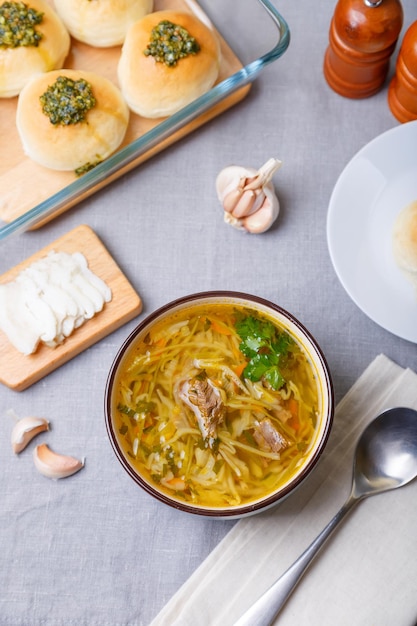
(231, 199)
(25, 430)
(263, 219)
(258, 201)
(53, 465)
(244, 205)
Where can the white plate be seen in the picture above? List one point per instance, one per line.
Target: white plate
(374, 187)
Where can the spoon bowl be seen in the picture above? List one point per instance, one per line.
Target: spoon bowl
(386, 453)
(385, 459)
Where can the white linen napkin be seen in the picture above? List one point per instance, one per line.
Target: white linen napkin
(366, 575)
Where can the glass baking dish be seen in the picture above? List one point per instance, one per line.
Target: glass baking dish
(137, 150)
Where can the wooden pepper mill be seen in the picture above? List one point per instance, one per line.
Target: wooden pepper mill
(402, 92)
(362, 38)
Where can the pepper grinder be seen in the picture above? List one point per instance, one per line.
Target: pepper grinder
(402, 91)
(363, 35)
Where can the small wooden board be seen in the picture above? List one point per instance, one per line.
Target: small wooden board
(42, 183)
(18, 371)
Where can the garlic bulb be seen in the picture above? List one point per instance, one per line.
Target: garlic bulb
(248, 196)
(55, 465)
(25, 430)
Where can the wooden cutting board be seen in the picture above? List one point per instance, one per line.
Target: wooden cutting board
(42, 183)
(18, 371)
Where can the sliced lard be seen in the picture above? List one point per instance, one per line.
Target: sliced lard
(16, 321)
(50, 299)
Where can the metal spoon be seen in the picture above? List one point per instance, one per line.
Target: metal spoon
(385, 459)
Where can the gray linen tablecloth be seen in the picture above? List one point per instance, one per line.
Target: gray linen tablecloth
(94, 550)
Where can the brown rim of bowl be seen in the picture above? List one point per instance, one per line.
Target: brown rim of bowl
(246, 509)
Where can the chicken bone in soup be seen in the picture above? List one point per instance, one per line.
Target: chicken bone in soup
(216, 405)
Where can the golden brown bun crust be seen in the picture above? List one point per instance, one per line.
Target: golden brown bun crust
(70, 147)
(18, 65)
(405, 238)
(151, 88)
(101, 23)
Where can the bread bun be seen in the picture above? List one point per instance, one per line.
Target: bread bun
(152, 88)
(74, 145)
(20, 63)
(405, 239)
(101, 23)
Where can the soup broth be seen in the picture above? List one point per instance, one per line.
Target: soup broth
(217, 405)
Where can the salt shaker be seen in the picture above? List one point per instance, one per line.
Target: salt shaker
(402, 91)
(363, 35)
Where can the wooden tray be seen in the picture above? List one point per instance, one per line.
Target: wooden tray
(18, 197)
(18, 371)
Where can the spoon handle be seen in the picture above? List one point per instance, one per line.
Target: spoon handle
(267, 607)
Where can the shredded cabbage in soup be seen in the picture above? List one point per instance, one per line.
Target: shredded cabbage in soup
(217, 406)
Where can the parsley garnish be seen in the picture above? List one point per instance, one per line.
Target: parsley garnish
(266, 347)
(18, 25)
(67, 101)
(170, 42)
